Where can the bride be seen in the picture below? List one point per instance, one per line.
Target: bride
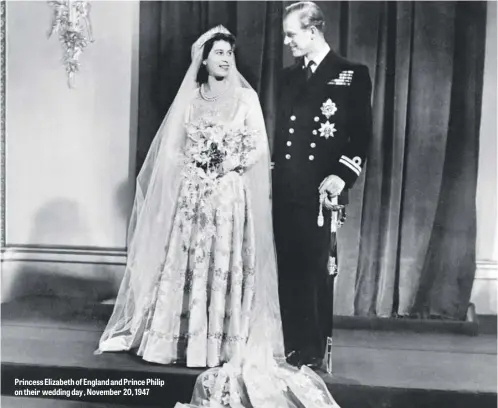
(200, 286)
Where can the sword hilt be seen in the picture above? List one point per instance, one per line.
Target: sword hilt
(328, 355)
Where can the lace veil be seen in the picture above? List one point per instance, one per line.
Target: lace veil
(152, 217)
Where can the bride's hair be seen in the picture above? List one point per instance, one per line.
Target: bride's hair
(202, 74)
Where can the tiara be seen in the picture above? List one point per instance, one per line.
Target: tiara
(207, 36)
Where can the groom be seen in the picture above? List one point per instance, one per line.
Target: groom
(324, 127)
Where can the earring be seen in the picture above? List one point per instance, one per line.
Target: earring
(204, 62)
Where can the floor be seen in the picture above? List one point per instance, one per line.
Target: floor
(57, 334)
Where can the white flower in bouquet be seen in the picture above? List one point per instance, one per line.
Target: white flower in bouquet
(240, 143)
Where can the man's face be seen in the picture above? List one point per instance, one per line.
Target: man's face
(297, 38)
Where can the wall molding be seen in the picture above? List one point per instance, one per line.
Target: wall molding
(485, 288)
(75, 272)
(59, 254)
(486, 270)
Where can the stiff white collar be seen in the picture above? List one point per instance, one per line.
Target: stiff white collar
(318, 59)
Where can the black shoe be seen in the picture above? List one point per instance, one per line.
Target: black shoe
(294, 358)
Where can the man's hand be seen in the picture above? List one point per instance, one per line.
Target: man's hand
(332, 186)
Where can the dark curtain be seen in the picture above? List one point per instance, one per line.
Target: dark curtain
(411, 237)
(408, 247)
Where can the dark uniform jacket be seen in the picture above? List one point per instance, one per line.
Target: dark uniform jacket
(324, 127)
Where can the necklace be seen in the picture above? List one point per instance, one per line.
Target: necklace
(211, 98)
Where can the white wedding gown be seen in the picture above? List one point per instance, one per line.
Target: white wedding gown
(199, 313)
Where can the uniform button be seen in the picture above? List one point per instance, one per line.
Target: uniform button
(289, 143)
(317, 118)
(313, 145)
(291, 130)
(293, 117)
(312, 157)
(315, 132)
(287, 156)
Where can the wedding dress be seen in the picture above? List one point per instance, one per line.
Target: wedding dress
(200, 286)
(203, 298)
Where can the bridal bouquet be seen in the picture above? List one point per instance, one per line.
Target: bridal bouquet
(217, 150)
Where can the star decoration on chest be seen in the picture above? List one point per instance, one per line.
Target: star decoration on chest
(328, 108)
(327, 129)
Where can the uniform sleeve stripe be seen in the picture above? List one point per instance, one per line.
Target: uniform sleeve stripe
(350, 166)
(347, 159)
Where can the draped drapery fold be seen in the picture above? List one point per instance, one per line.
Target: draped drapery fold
(407, 247)
(417, 217)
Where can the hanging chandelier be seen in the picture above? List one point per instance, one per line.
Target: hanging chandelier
(71, 22)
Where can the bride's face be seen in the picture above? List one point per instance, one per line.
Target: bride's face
(220, 59)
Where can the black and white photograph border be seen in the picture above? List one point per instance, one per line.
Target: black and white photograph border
(58, 294)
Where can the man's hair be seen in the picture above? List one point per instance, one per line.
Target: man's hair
(309, 14)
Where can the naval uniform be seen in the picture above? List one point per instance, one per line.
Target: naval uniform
(324, 126)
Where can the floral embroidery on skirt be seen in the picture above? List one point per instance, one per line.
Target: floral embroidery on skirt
(200, 310)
